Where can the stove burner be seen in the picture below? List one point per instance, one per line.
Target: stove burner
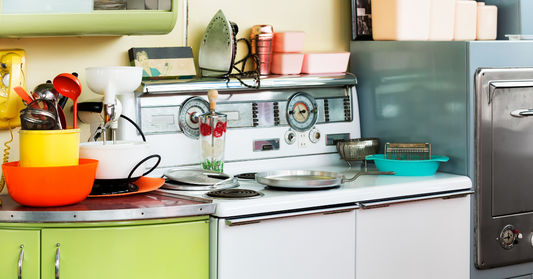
(234, 193)
(103, 188)
(248, 175)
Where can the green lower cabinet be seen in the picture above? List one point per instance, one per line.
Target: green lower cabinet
(178, 250)
(10, 253)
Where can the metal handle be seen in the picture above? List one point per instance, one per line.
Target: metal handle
(258, 219)
(21, 257)
(57, 262)
(370, 173)
(451, 195)
(522, 112)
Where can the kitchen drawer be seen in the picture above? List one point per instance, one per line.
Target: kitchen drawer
(96, 23)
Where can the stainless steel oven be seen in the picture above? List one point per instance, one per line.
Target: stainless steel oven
(504, 164)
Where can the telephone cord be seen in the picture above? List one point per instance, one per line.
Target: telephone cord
(6, 156)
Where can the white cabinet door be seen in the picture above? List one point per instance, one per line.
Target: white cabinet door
(316, 246)
(422, 239)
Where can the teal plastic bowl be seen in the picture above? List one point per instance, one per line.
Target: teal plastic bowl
(408, 168)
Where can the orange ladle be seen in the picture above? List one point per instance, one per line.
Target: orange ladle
(69, 86)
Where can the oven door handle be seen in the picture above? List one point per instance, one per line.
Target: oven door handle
(522, 112)
(258, 219)
(445, 196)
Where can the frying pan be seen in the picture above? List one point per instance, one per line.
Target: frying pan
(306, 179)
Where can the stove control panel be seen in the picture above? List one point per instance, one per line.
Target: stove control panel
(300, 111)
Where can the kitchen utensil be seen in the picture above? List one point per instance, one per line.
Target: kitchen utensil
(117, 160)
(408, 168)
(196, 176)
(49, 148)
(110, 82)
(407, 151)
(212, 136)
(39, 115)
(46, 91)
(50, 186)
(357, 149)
(198, 180)
(23, 94)
(69, 86)
(308, 179)
(218, 47)
(61, 116)
(261, 38)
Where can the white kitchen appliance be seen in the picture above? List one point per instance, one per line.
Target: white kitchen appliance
(290, 123)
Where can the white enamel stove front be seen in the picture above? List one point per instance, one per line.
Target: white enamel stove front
(290, 123)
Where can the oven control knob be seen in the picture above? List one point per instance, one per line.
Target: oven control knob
(508, 237)
(314, 135)
(290, 137)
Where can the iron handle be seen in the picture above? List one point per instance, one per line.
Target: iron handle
(57, 262)
(451, 195)
(21, 257)
(370, 173)
(522, 112)
(258, 219)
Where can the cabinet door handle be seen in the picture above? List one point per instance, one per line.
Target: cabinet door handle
(21, 257)
(57, 262)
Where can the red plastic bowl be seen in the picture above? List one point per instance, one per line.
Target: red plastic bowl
(50, 186)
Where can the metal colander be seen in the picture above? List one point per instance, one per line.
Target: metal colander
(357, 149)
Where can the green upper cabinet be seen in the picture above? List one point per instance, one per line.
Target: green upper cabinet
(95, 23)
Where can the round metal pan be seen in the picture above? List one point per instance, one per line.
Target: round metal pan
(298, 179)
(196, 176)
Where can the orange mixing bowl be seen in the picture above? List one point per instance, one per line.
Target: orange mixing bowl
(50, 186)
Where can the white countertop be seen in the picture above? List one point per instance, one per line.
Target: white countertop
(364, 188)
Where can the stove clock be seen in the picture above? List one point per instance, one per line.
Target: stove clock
(188, 116)
(509, 237)
(302, 111)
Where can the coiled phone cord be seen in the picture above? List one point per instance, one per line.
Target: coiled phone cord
(6, 157)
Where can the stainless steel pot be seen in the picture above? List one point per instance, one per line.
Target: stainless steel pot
(357, 149)
(306, 179)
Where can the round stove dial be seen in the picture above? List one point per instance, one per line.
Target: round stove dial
(314, 135)
(508, 237)
(302, 111)
(290, 137)
(188, 116)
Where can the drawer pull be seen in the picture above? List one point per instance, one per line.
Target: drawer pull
(57, 262)
(21, 257)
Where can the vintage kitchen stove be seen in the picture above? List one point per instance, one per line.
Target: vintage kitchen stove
(289, 123)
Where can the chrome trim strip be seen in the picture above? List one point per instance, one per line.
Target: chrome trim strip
(451, 195)
(258, 219)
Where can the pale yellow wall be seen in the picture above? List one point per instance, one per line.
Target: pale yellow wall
(326, 23)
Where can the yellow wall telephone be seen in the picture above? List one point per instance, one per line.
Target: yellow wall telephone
(12, 74)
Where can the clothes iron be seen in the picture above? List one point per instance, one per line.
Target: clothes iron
(218, 48)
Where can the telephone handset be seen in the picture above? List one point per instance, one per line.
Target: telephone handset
(12, 74)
